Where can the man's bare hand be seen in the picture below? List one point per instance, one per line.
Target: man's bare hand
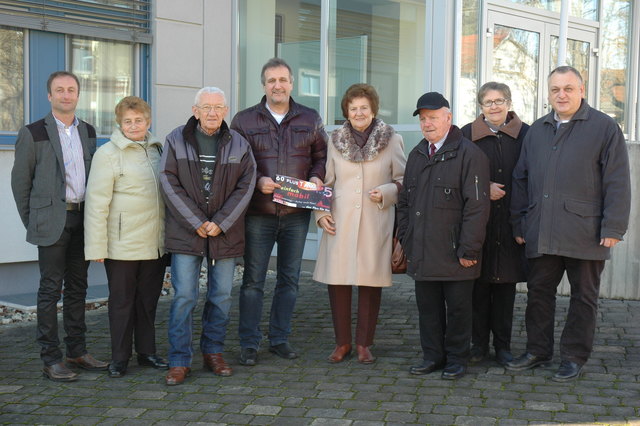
(520, 240)
(317, 181)
(213, 230)
(495, 191)
(466, 263)
(609, 242)
(202, 230)
(266, 185)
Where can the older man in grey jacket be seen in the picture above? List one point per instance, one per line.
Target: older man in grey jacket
(570, 204)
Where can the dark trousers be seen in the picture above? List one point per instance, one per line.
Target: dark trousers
(444, 309)
(368, 308)
(493, 314)
(134, 289)
(63, 264)
(545, 274)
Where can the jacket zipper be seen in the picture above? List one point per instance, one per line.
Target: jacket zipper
(156, 184)
(477, 195)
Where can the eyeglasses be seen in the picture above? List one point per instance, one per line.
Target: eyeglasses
(499, 101)
(216, 108)
(130, 123)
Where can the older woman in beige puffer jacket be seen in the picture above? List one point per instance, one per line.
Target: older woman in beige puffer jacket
(124, 228)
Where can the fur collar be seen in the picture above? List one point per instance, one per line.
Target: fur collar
(344, 142)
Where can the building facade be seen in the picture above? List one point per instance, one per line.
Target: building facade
(165, 50)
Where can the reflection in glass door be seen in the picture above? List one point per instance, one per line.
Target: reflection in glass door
(521, 52)
(578, 54)
(515, 62)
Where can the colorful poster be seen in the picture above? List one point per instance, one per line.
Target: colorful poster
(303, 194)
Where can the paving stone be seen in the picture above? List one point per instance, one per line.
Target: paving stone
(475, 420)
(20, 408)
(270, 410)
(147, 395)
(459, 410)
(532, 415)
(124, 412)
(331, 422)
(332, 413)
(603, 400)
(292, 412)
(400, 417)
(574, 417)
(436, 419)
(335, 394)
(85, 420)
(362, 415)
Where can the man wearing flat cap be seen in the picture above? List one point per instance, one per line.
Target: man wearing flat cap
(442, 213)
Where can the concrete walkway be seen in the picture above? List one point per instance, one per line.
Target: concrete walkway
(309, 391)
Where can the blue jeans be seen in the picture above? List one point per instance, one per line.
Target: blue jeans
(290, 232)
(185, 270)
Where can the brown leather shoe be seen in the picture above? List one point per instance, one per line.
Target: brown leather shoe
(340, 353)
(176, 375)
(364, 355)
(216, 363)
(88, 362)
(59, 373)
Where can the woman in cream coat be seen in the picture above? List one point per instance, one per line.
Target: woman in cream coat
(365, 165)
(124, 228)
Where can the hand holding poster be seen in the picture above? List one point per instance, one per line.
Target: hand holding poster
(303, 194)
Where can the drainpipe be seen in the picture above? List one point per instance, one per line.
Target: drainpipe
(564, 29)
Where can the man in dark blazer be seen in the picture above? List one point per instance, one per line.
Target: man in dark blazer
(52, 161)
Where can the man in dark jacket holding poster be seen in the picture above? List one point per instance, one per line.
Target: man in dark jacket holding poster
(287, 139)
(570, 204)
(442, 213)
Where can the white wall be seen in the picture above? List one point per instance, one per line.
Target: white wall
(191, 49)
(13, 247)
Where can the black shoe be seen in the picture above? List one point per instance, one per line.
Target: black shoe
(117, 369)
(477, 354)
(568, 371)
(426, 367)
(283, 350)
(454, 371)
(527, 361)
(503, 357)
(248, 356)
(152, 360)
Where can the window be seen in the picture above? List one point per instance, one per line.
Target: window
(293, 33)
(11, 79)
(614, 59)
(106, 73)
(378, 43)
(586, 9)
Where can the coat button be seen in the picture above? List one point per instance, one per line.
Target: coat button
(357, 206)
(546, 195)
(358, 177)
(417, 213)
(358, 191)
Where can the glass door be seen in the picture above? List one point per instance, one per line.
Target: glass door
(521, 51)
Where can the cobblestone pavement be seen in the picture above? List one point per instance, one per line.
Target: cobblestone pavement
(309, 391)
